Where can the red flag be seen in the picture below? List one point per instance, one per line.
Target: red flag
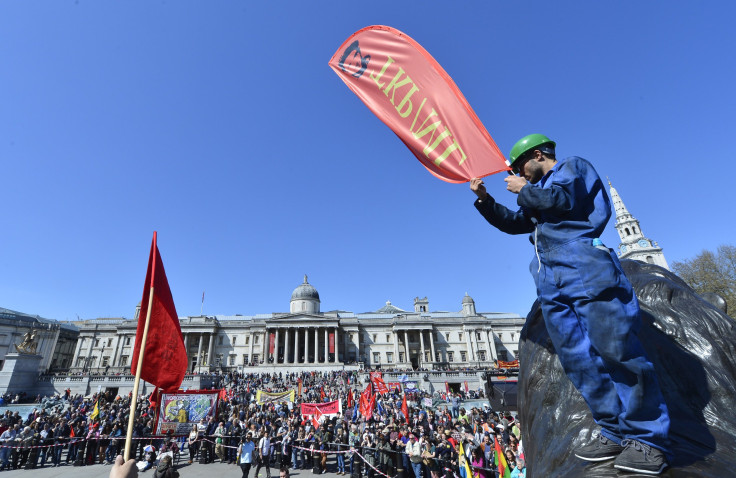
(350, 399)
(378, 383)
(321, 393)
(316, 416)
(164, 359)
(405, 409)
(367, 400)
(300, 387)
(410, 92)
(71, 433)
(153, 399)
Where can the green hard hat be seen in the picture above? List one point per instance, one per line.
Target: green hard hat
(528, 143)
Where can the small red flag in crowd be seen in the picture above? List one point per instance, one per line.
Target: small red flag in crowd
(350, 399)
(164, 358)
(405, 409)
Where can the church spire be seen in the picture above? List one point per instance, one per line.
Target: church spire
(634, 245)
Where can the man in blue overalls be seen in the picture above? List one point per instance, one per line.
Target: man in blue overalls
(589, 307)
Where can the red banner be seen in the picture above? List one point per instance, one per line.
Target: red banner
(410, 92)
(378, 384)
(466, 386)
(271, 342)
(327, 408)
(332, 343)
(512, 364)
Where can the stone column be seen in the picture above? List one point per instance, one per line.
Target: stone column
(264, 347)
(77, 349)
(327, 346)
(276, 346)
(250, 347)
(286, 345)
(406, 347)
(468, 344)
(306, 345)
(421, 347)
(396, 347)
(357, 344)
(199, 353)
(316, 346)
(210, 350)
(491, 345)
(114, 360)
(337, 346)
(431, 346)
(89, 354)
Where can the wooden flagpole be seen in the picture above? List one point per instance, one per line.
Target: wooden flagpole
(134, 398)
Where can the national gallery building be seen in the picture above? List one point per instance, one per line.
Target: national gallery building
(307, 339)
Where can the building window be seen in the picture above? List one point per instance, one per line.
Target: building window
(447, 336)
(627, 231)
(123, 360)
(460, 336)
(247, 339)
(245, 359)
(450, 356)
(512, 336)
(463, 356)
(401, 356)
(255, 339)
(375, 338)
(109, 342)
(390, 357)
(255, 358)
(477, 335)
(482, 355)
(422, 308)
(437, 357)
(376, 357)
(218, 359)
(105, 361)
(127, 340)
(220, 339)
(97, 342)
(388, 338)
(232, 360)
(235, 339)
(80, 361)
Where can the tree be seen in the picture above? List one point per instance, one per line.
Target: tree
(712, 272)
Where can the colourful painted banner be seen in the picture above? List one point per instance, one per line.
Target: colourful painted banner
(179, 411)
(274, 397)
(326, 409)
(410, 92)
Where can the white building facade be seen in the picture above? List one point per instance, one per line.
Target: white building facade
(307, 339)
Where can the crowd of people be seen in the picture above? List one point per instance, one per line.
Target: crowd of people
(444, 440)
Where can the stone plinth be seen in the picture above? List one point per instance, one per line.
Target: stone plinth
(20, 373)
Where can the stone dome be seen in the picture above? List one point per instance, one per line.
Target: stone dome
(305, 291)
(467, 299)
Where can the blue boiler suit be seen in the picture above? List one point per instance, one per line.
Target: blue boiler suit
(589, 306)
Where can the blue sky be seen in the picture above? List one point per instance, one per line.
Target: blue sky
(220, 125)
